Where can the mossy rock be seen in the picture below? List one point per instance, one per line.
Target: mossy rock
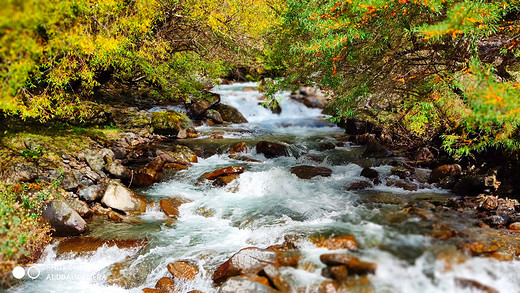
(230, 114)
(170, 122)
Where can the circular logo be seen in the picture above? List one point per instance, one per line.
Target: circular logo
(18, 272)
(33, 272)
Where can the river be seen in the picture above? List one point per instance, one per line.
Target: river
(267, 203)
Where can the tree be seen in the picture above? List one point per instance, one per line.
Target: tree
(56, 55)
(424, 67)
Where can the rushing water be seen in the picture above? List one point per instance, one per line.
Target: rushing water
(267, 203)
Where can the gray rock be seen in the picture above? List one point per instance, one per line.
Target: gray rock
(118, 197)
(117, 170)
(19, 172)
(69, 181)
(108, 155)
(63, 219)
(92, 193)
(94, 160)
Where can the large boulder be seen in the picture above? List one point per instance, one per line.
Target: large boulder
(118, 197)
(272, 149)
(199, 106)
(230, 114)
(171, 123)
(247, 261)
(273, 106)
(308, 172)
(444, 171)
(63, 219)
(18, 172)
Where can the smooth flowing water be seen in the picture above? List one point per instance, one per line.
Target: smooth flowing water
(267, 203)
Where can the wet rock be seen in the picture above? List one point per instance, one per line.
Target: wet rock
(277, 279)
(376, 150)
(404, 184)
(94, 160)
(69, 181)
(445, 171)
(214, 115)
(232, 170)
(18, 172)
(338, 273)
(99, 209)
(239, 147)
(63, 219)
(360, 185)
(92, 193)
(371, 174)
(326, 146)
(224, 180)
(352, 263)
(515, 226)
(244, 285)
(183, 270)
(478, 248)
(326, 287)
(152, 171)
(472, 284)
(230, 114)
(119, 217)
(337, 242)
(247, 261)
(165, 283)
(171, 123)
(84, 244)
(308, 172)
(80, 207)
(497, 220)
(116, 169)
(170, 206)
(199, 106)
(272, 150)
(154, 290)
(118, 197)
